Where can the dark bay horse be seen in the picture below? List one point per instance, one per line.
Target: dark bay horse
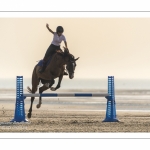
(53, 70)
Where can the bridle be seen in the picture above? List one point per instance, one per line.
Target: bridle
(72, 61)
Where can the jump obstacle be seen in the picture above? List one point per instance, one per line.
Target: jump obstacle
(19, 115)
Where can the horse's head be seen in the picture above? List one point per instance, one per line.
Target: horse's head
(70, 63)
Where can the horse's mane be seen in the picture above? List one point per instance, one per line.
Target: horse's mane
(60, 52)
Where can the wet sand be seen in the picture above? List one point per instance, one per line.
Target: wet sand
(79, 114)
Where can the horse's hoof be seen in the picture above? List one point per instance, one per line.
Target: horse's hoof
(38, 106)
(53, 89)
(29, 115)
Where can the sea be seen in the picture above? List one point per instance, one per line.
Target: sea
(130, 95)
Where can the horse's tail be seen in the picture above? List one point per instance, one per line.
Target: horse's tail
(29, 90)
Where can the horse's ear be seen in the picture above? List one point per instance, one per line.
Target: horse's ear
(76, 59)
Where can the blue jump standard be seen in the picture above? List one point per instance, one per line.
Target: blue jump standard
(19, 115)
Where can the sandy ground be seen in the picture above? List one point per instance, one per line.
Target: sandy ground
(76, 115)
(76, 121)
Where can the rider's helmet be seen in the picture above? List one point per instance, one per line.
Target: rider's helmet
(59, 29)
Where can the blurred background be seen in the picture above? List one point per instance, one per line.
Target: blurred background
(106, 46)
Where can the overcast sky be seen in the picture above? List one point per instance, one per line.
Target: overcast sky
(111, 46)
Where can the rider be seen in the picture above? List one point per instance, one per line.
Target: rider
(55, 45)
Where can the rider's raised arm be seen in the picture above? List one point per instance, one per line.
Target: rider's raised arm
(47, 25)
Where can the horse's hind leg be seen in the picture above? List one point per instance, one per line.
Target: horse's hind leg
(35, 83)
(34, 89)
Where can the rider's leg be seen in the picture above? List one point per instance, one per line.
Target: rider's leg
(48, 53)
(43, 66)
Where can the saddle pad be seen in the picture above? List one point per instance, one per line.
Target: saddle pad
(40, 63)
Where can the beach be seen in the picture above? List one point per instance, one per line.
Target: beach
(79, 114)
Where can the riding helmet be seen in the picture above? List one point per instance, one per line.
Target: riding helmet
(59, 29)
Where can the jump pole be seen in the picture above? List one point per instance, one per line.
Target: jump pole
(20, 116)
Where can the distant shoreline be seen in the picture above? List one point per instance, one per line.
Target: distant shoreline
(124, 91)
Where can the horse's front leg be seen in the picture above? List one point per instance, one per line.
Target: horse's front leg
(58, 85)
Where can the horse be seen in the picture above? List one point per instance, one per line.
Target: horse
(55, 69)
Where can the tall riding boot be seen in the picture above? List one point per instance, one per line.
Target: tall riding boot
(43, 67)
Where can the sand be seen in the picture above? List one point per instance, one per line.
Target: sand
(77, 115)
(76, 121)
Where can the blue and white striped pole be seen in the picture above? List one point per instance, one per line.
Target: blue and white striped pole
(67, 95)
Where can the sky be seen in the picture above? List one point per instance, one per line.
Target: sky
(106, 46)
